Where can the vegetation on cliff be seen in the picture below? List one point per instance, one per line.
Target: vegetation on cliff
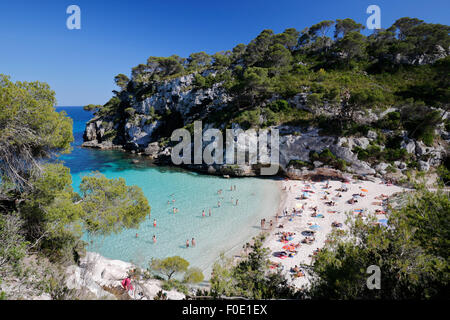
(328, 76)
(402, 66)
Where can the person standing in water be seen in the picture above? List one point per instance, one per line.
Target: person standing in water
(237, 200)
(203, 213)
(187, 243)
(209, 213)
(154, 239)
(193, 242)
(218, 204)
(154, 223)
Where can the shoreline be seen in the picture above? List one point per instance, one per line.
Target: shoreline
(302, 220)
(299, 223)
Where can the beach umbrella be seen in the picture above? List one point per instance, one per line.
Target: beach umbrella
(365, 190)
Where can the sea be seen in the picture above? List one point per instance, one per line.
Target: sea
(228, 228)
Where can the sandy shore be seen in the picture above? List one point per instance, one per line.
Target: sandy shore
(302, 220)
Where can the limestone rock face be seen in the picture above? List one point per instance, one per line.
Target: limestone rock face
(179, 100)
(409, 145)
(381, 167)
(371, 135)
(424, 166)
(178, 95)
(95, 272)
(140, 133)
(152, 150)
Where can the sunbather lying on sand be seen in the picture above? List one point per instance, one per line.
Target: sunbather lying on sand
(336, 224)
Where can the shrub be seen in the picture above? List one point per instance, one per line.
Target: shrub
(130, 111)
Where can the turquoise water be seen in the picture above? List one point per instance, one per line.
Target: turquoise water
(228, 227)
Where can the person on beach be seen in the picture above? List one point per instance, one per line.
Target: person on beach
(154, 223)
(187, 243)
(154, 239)
(126, 284)
(193, 242)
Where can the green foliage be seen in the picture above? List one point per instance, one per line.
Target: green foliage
(221, 59)
(328, 158)
(121, 81)
(298, 164)
(412, 254)
(109, 205)
(13, 246)
(193, 275)
(169, 266)
(250, 277)
(444, 171)
(174, 284)
(30, 128)
(391, 121)
(130, 111)
(92, 107)
(346, 26)
(198, 60)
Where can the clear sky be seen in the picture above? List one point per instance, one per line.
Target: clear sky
(117, 35)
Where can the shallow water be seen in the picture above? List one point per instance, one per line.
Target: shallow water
(228, 228)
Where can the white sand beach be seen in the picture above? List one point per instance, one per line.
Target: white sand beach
(369, 197)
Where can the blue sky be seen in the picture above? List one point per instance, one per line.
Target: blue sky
(116, 35)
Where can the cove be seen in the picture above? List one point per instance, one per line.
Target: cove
(228, 228)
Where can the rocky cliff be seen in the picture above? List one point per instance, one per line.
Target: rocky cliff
(178, 98)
